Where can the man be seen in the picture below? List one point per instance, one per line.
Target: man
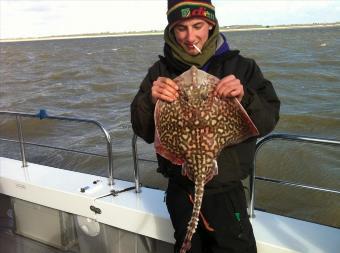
(192, 38)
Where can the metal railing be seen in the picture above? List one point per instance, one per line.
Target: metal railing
(43, 115)
(288, 137)
(253, 176)
(135, 163)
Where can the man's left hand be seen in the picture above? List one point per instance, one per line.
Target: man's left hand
(229, 86)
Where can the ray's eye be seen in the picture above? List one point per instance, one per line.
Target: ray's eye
(185, 98)
(204, 96)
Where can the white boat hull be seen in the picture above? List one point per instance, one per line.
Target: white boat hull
(145, 213)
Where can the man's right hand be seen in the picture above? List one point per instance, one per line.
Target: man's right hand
(165, 89)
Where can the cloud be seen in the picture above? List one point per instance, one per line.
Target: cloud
(43, 18)
(53, 17)
(276, 12)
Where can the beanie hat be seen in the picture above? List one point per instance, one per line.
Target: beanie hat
(183, 9)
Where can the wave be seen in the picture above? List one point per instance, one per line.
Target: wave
(103, 70)
(32, 128)
(319, 125)
(314, 75)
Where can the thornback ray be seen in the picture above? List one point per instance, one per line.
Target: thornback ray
(192, 130)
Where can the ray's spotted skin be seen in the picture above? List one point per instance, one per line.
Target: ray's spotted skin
(192, 130)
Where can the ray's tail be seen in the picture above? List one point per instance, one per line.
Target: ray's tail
(192, 225)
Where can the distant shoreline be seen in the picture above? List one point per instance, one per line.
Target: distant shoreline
(127, 34)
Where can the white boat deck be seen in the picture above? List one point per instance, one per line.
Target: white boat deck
(145, 213)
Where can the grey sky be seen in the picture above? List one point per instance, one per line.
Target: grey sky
(52, 17)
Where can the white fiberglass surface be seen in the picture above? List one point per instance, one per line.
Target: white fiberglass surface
(146, 212)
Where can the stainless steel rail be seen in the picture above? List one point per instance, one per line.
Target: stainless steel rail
(287, 137)
(43, 115)
(21, 141)
(253, 177)
(135, 163)
(55, 147)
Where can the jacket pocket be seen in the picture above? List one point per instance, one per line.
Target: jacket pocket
(231, 223)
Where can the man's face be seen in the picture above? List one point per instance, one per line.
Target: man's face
(192, 32)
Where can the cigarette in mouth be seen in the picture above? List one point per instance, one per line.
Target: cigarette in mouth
(197, 48)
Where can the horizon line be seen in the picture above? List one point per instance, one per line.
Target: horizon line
(226, 28)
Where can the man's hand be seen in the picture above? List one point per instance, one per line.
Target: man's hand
(229, 86)
(165, 89)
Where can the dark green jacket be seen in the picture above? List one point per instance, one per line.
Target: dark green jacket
(260, 102)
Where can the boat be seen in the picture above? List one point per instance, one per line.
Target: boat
(48, 209)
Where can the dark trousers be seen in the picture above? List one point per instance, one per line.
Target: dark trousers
(226, 213)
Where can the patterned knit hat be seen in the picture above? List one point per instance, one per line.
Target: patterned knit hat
(183, 9)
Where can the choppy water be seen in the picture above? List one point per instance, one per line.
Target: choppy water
(97, 78)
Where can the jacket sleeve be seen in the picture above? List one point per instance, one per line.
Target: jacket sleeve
(142, 110)
(260, 99)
